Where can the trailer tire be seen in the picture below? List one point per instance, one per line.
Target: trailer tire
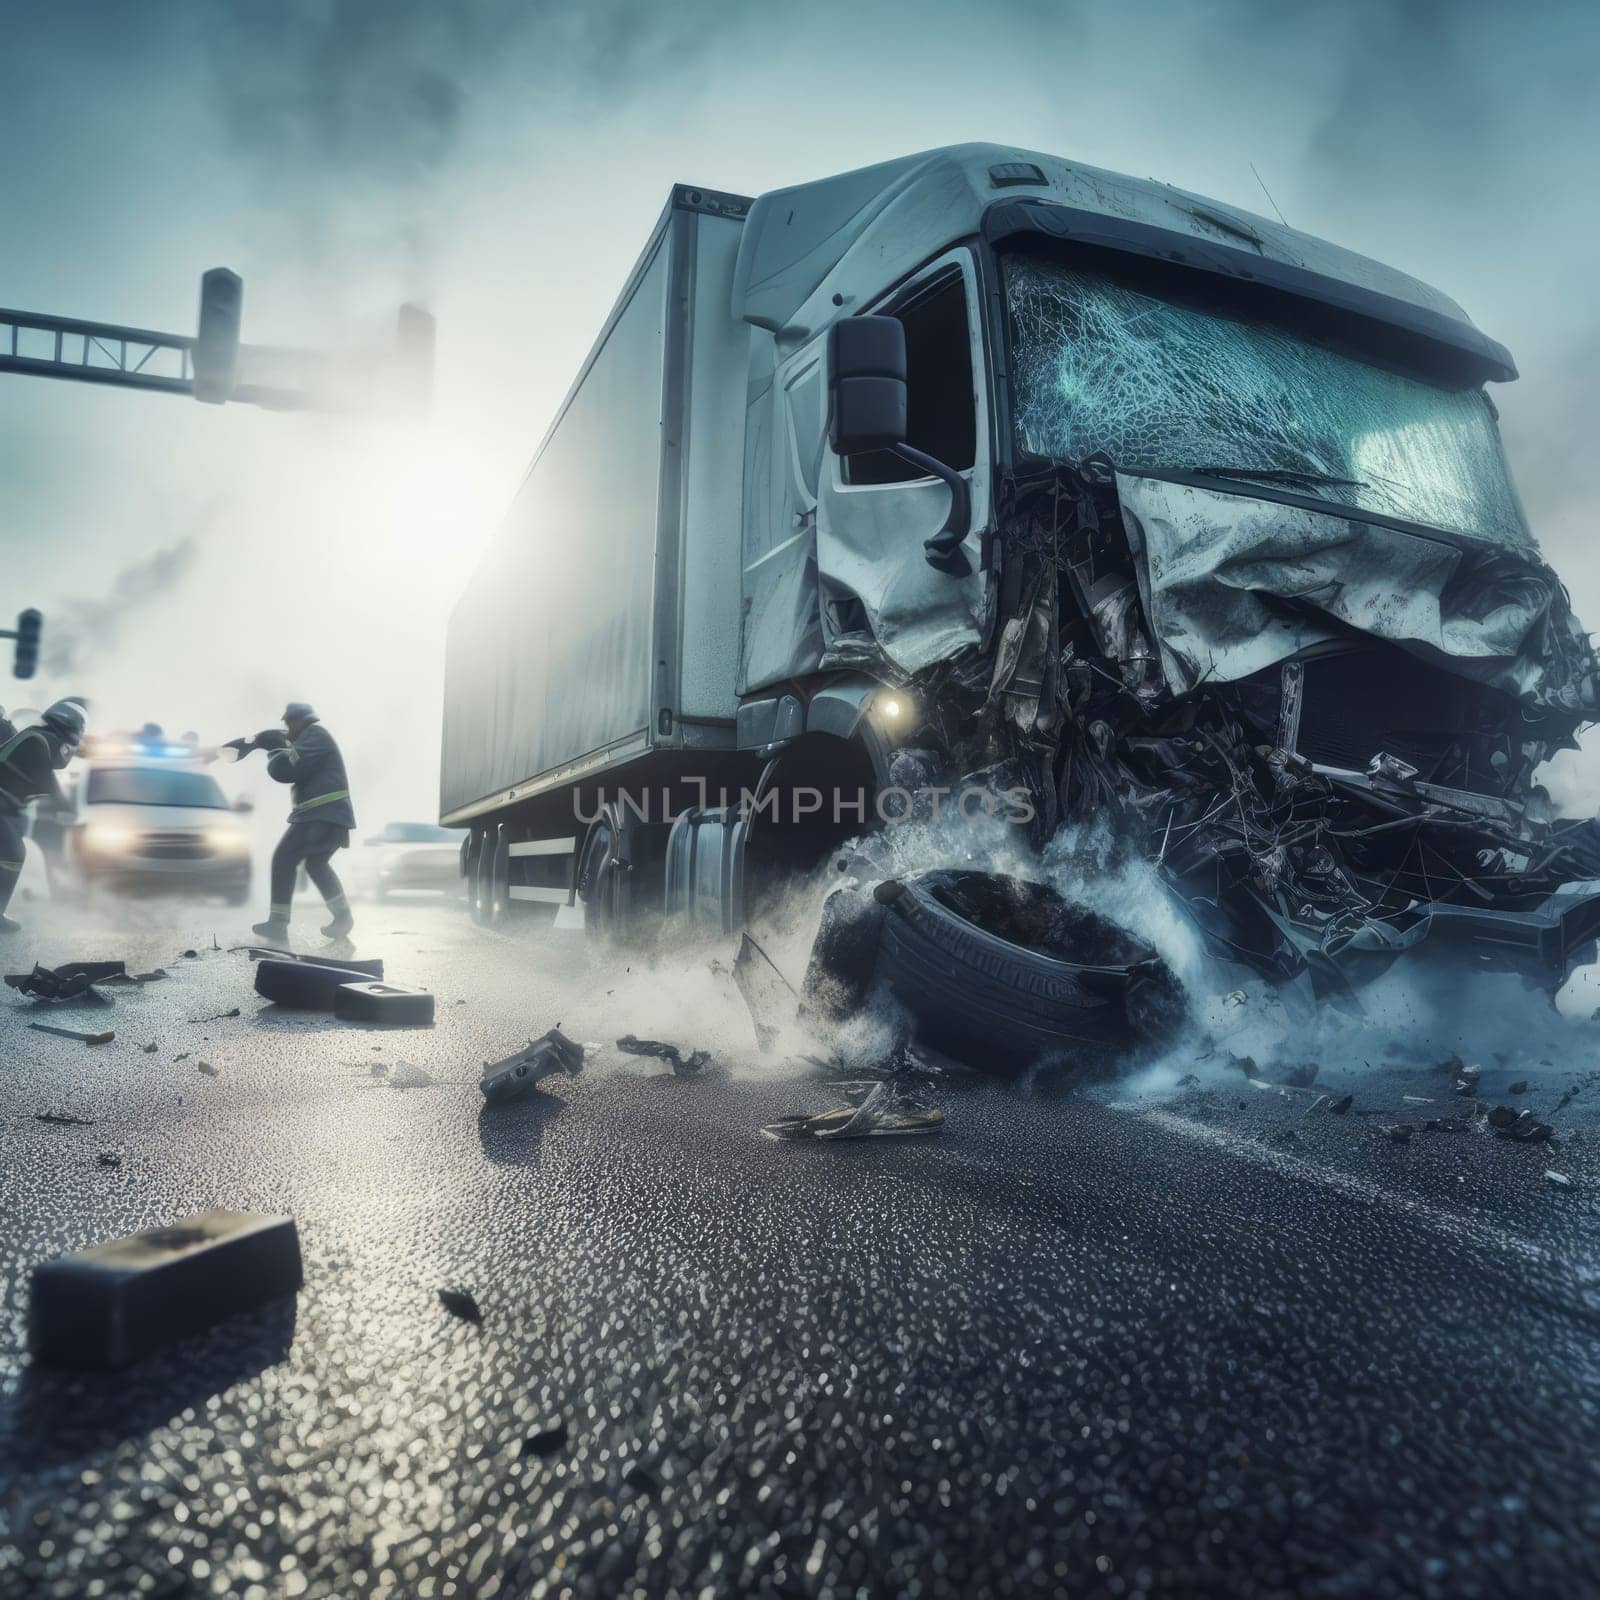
(477, 902)
(497, 877)
(597, 881)
(1007, 974)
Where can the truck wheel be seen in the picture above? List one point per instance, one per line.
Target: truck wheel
(597, 882)
(497, 877)
(477, 902)
(1006, 974)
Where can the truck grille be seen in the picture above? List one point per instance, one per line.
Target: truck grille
(172, 847)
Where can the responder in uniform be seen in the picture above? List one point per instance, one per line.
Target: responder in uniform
(29, 762)
(319, 822)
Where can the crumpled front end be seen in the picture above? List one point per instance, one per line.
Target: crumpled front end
(1323, 729)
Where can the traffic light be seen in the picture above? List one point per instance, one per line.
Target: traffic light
(216, 345)
(29, 623)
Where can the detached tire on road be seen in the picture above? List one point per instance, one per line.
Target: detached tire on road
(1007, 974)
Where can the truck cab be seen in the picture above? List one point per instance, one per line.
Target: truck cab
(986, 469)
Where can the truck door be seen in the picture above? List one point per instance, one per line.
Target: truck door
(878, 597)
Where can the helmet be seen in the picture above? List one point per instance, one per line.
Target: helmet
(68, 718)
(300, 709)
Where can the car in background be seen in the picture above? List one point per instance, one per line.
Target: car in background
(163, 823)
(408, 857)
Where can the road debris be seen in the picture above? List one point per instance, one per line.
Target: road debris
(74, 1033)
(64, 1119)
(1558, 1180)
(1302, 1077)
(873, 1110)
(118, 1301)
(546, 1441)
(1342, 1105)
(391, 1003)
(682, 1066)
(150, 1049)
(206, 1067)
(459, 1303)
(73, 981)
(221, 1016)
(191, 955)
(1244, 1064)
(1519, 1087)
(1522, 1126)
(108, 1158)
(515, 1076)
(636, 1475)
(766, 992)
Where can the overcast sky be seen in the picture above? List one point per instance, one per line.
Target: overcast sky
(503, 162)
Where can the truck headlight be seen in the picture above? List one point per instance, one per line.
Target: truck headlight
(110, 838)
(227, 841)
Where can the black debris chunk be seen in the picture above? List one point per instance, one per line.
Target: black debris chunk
(109, 1158)
(370, 1000)
(150, 1049)
(1244, 1064)
(1398, 1132)
(1342, 1105)
(515, 1076)
(221, 1016)
(636, 1475)
(74, 980)
(459, 1303)
(1450, 1067)
(1188, 1080)
(683, 1066)
(1520, 1086)
(879, 1109)
(1522, 1126)
(191, 955)
(546, 1441)
(1467, 1080)
(63, 1119)
(1302, 1077)
(118, 1301)
(206, 1067)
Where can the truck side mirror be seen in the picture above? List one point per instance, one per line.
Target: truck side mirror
(866, 384)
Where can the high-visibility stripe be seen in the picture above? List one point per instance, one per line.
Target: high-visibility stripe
(339, 902)
(11, 866)
(323, 799)
(279, 913)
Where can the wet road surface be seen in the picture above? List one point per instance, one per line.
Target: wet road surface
(1206, 1344)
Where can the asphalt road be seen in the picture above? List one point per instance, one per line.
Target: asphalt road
(1212, 1342)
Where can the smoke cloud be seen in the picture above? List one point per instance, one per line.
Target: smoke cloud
(85, 632)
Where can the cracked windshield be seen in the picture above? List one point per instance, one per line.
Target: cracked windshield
(1163, 387)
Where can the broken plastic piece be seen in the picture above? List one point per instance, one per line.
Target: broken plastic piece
(74, 980)
(1558, 1180)
(372, 1001)
(117, 1302)
(308, 986)
(682, 1066)
(515, 1076)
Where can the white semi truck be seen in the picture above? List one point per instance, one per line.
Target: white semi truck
(983, 468)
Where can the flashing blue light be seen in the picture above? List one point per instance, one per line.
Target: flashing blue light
(166, 752)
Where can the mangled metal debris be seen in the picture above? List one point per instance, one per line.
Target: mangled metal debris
(880, 1109)
(766, 991)
(72, 981)
(683, 1066)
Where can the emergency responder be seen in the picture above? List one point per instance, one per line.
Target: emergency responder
(29, 762)
(319, 822)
